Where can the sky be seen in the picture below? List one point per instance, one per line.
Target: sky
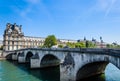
(66, 19)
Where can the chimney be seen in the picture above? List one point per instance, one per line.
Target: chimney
(20, 27)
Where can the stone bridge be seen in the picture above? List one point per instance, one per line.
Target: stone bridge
(74, 63)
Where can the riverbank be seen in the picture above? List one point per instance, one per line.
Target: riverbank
(2, 58)
(1, 55)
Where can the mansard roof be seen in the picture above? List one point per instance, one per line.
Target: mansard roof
(13, 28)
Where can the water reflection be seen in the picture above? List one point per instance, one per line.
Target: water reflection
(112, 73)
(47, 74)
(22, 72)
(95, 78)
(44, 74)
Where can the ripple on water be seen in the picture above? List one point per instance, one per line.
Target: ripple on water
(12, 71)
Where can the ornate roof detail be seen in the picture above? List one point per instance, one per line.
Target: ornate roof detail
(13, 29)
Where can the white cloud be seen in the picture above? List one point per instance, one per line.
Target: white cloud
(29, 8)
(109, 6)
(105, 5)
(32, 7)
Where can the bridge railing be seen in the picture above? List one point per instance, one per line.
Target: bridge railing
(80, 50)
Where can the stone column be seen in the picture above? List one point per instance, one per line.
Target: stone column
(14, 56)
(67, 69)
(35, 61)
(67, 73)
(21, 58)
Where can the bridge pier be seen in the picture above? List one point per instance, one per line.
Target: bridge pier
(21, 58)
(67, 68)
(14, 56)
(67, 73)
(35, 61)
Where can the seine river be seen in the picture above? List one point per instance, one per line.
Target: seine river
(12, 71)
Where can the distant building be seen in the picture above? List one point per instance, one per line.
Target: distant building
(64, 41)
(98, 44)
(1, 43)
(101, 45)
(14, 39)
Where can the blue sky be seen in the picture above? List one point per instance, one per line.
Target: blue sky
(66, 19)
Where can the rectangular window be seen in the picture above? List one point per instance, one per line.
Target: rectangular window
(17, 46)
(8, 42)
(8, 47)
(12, 42)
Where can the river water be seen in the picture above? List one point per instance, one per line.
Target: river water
(12, 71)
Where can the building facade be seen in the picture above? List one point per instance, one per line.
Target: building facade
(1, 43)
(14, 39)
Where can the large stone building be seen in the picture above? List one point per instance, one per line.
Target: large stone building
(1, 43)
(14, 39)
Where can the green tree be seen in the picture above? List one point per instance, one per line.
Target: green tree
(80, 45)
(112, 45)
(71, 45)
(118, 46)
(86, 44)
(60, 46)
(41, 46)
(90, 44)
(1, 48)
(50, 41)
(108, 45)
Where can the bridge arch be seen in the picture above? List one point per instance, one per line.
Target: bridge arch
(95, 64)
(18, 54)
(29, 54)
(49, 60)
(9, 56)
(91, 69)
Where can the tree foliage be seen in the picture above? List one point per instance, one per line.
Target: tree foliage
(76, 45)
(108, 45)
(1, 48)
(50, 41)
(112, 46)
(60, 46)
(80, 45)
(71, 45)
(90, 44)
